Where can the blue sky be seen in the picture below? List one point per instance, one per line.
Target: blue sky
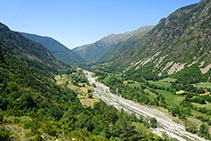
(79, 22)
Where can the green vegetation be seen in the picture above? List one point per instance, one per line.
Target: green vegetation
(131, 84)
(79, 84)
(106, 48)
(207, 105)
(168, 79)
(5, 134)
(42, 98)
(148, 56)
(163, 93)
(190, 75)
(34, 105)
(107, 78)
(160, 84)
(171, 99)
(60, 51)
(204, 84)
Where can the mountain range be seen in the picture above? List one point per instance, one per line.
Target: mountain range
(178, 42)
(34, 106)
(103, 49)
(60, 51)
(167, 66)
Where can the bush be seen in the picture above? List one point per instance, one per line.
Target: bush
(5, 134)
(153, 122)
(191, 127)
(30, 124)
(49, 129)
(204, 129)
(1, 118)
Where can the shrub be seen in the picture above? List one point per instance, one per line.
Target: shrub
(1, 118)
(5, 134)
(153, 122)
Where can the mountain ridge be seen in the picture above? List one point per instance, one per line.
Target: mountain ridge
(39, 98)
(176, 42)
(23, 47)
(100, 50)
(60, 51)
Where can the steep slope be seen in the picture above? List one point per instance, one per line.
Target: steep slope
(27, 72)
(34, 107)
(122, 46)
(25, 65)
(61, 52)
(181, 40)
(103, 49)
(16, 46)
(28, 93)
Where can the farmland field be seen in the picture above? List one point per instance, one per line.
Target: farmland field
(169, 79)
(171, 99)
(203, 84)
(160, 84)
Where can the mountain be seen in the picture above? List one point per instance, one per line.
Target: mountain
(60, 51)
(38, 98)
(27, 72)
(28, 93)
(178, 42)
(101, 50)
(15, 47)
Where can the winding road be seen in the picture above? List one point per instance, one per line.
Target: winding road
(165, 124)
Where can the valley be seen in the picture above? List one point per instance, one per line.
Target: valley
(152, 83)
(165, 124)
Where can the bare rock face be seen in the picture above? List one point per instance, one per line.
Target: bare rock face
(206, 69)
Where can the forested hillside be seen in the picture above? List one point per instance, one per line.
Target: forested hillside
(61, 52)
(34, 107)
(166, 67)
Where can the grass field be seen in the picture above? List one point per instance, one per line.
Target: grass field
(140, 127)
(107, 78)
(169, 79)
(172, 99)
(81, 90)
(135, 84)
(208, 105)
(203, 84)
(160, 83)
(151, 95)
